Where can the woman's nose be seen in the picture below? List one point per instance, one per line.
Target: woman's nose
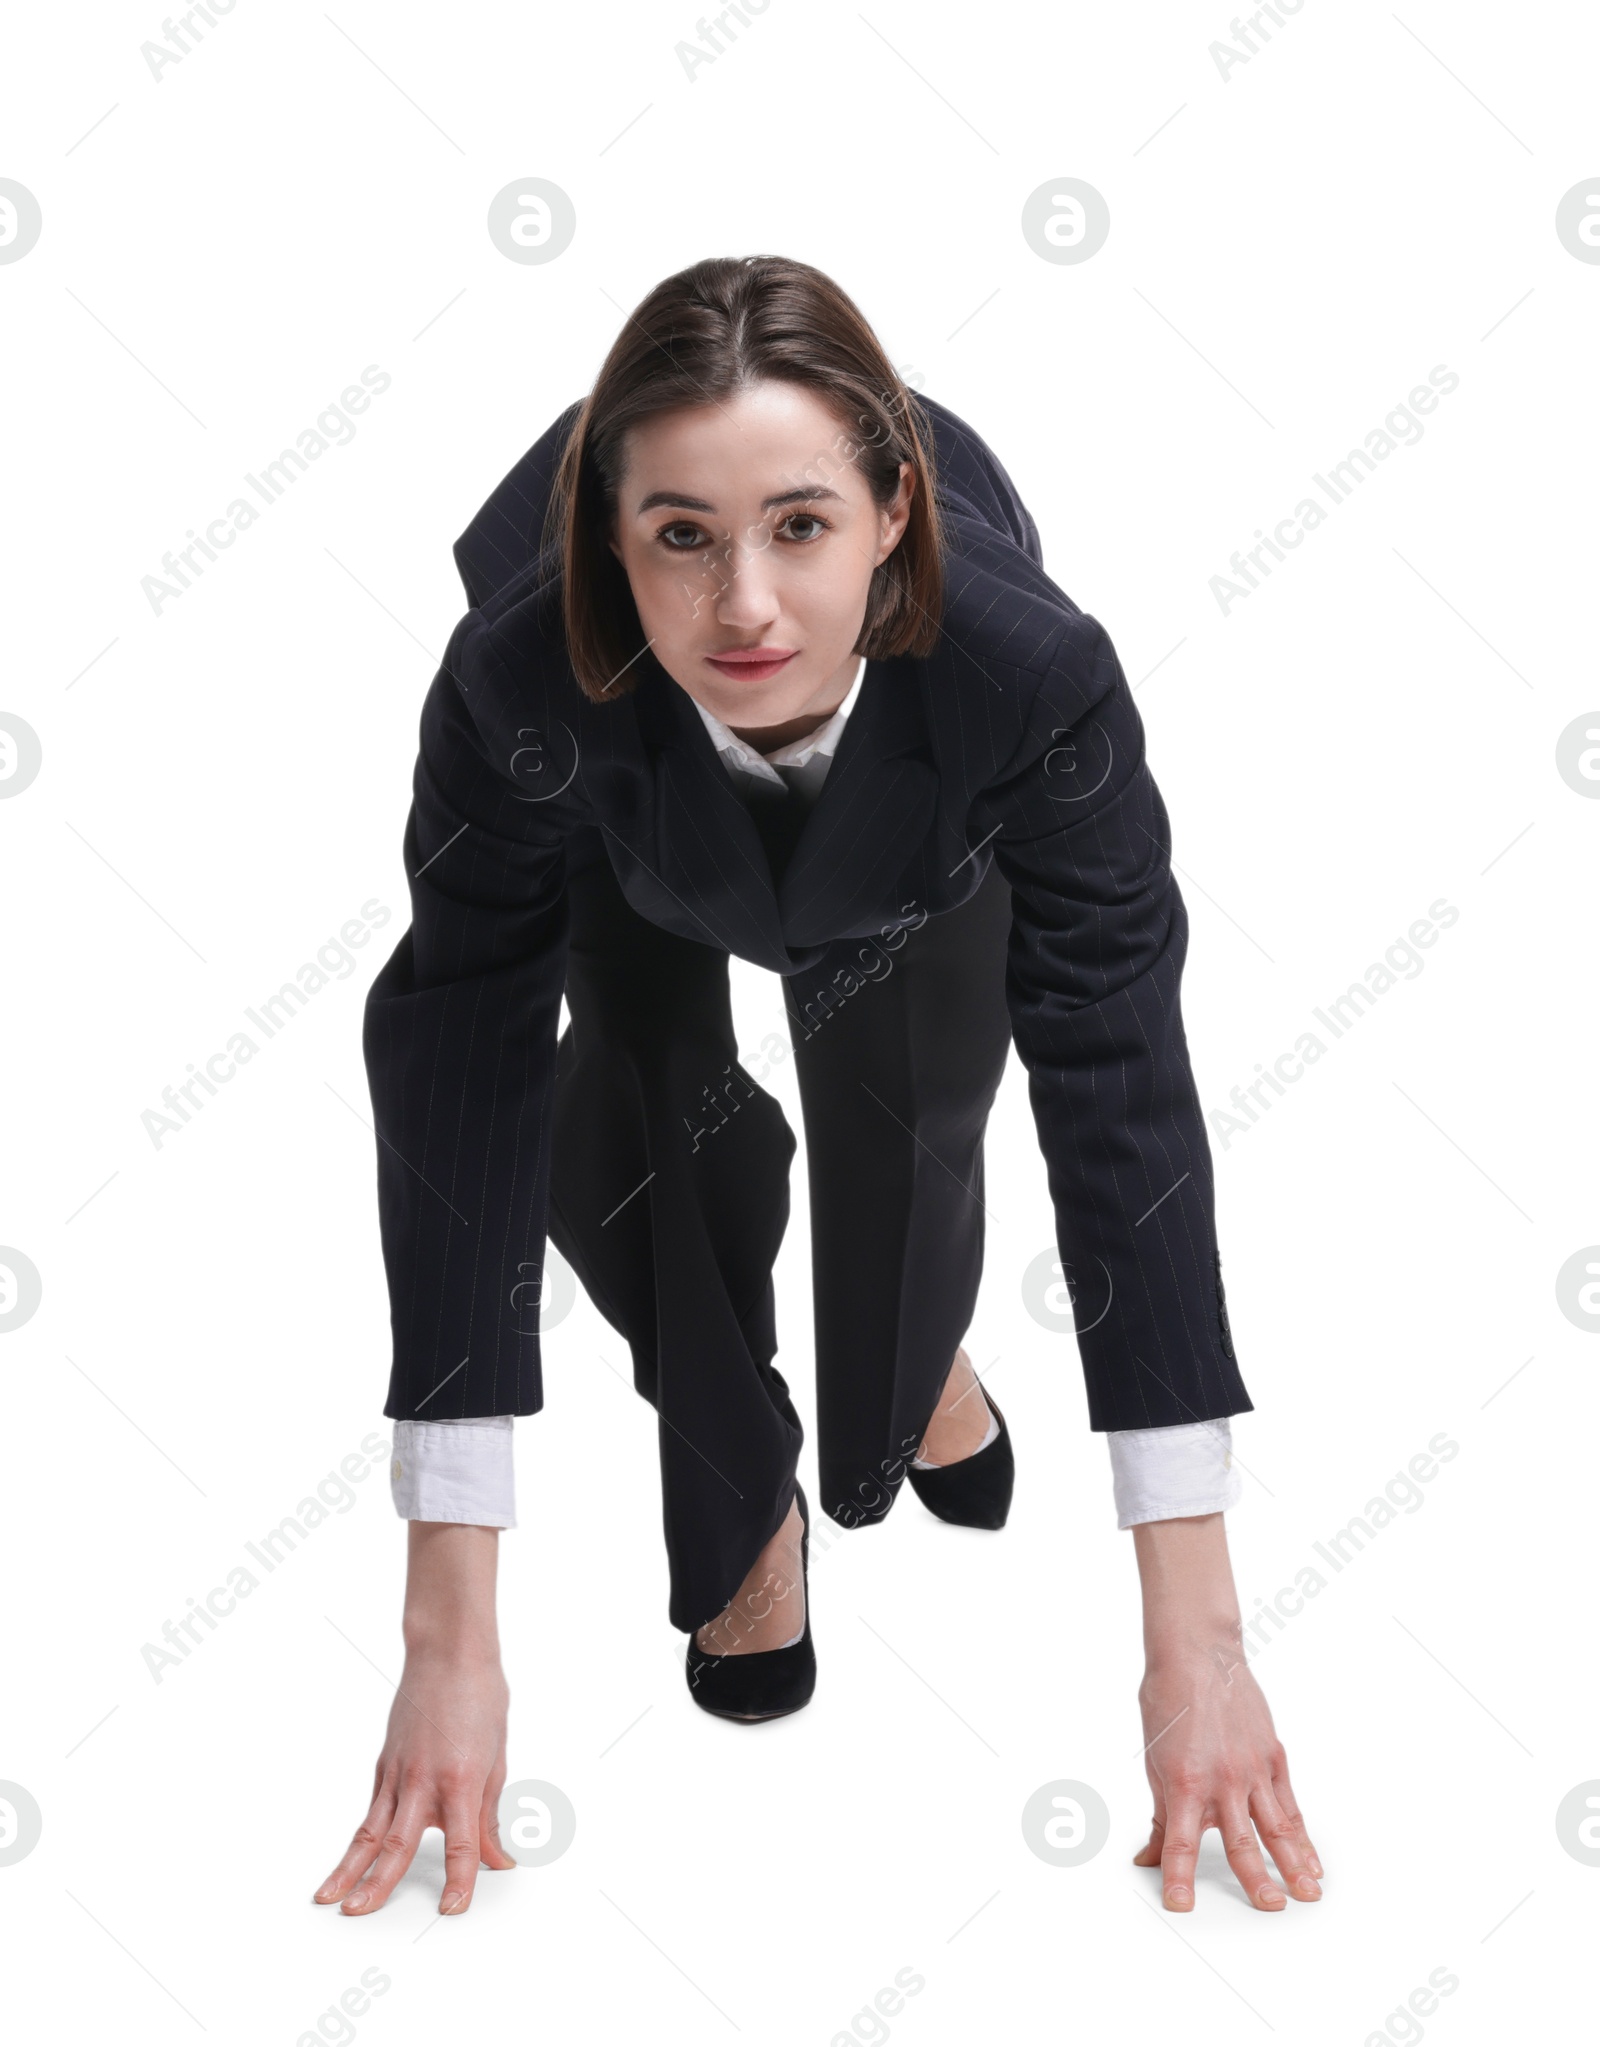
(749, 596)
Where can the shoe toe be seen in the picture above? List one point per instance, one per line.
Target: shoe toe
(976, 1491)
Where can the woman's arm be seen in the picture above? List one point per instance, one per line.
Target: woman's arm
(1211, 1753)
(1093, 976)
(1099, 937)
(444, 1758)
(460, 1040)
(460, 1032)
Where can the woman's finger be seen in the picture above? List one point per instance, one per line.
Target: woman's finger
(1180, 1845)
(1284, 1843)
(460, 1822)
(1150, 1854)
(396, 1852)
(1288, 1805)
(365, 1843)
(1243, 1851)
(490, 1847)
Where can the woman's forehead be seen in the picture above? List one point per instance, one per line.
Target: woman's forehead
(748, 452)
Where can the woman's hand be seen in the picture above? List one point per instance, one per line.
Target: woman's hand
(1211, 1753)
(444, 1756)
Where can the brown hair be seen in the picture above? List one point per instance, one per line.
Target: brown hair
(697, 338)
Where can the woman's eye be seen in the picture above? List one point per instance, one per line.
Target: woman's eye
(683, 536)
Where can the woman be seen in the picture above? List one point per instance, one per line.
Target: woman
(762, 660)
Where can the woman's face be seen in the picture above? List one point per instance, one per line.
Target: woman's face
(746, 527)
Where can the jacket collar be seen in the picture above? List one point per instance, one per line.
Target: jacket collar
(798, 753)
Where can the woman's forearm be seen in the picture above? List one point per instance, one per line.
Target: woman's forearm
(1186, 1576)
(450, 1591)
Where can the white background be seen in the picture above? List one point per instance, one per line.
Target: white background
(224, 784)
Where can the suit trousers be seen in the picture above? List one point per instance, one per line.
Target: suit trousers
(669, 1196)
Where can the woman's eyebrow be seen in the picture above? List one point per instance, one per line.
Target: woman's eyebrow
(681, 501)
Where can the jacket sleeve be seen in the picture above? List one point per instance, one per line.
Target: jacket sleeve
(460, 1042)
(1099, 934)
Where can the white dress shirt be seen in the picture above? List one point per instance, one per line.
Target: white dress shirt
(462, 1470)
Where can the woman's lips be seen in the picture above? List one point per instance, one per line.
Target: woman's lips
(754, 666)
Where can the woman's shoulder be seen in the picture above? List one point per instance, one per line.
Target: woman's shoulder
(1003, 613)
(506, 533)
(970, 478)
(513, 647)
(1013, 639)
(505, 712)
(1018, 665)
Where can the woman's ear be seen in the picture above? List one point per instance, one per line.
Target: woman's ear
(896, 514)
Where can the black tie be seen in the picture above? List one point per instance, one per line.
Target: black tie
(778, 814)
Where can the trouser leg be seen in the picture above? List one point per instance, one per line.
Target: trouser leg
(669, 1196)
(899, 1049)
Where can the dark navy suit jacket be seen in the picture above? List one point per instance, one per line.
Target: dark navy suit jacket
(1015, 741)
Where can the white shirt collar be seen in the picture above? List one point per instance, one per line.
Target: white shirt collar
(795, 754)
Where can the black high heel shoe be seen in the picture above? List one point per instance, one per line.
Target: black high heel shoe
(760, 1684)
(975, 1492)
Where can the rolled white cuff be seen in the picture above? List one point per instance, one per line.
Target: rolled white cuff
(455, 1471)
(1161, 1474)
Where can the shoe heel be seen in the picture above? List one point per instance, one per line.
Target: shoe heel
(761, 1684)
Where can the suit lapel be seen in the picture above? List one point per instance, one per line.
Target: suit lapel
(874, 810)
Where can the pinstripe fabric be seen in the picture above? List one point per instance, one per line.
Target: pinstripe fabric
(1016, 741)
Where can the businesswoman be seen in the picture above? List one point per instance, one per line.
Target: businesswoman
(762, 660)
